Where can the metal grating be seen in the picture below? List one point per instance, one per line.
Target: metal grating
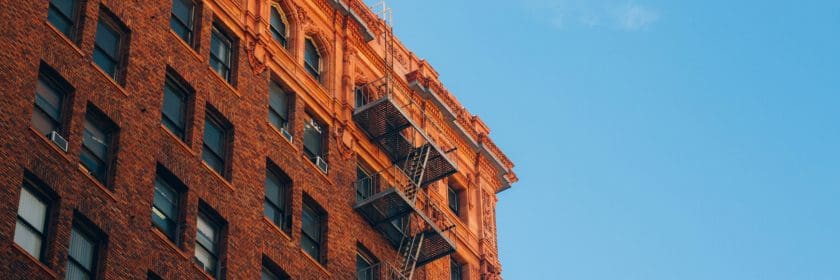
(434, 247)
(381, 118)
(384, 206)
(438, 167)
(390, 204)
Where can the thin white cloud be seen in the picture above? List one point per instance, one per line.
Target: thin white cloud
(634, 17)
(613, 14)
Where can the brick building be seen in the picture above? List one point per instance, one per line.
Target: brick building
(234, 139)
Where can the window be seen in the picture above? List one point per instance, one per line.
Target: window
(268, 275)
(51, 95)
(364, 184)
(207, 243)
(367, 268)
(32, 219)
(314, 134)
(277, 186)
(453, 200)
(108, 50)
(311, 230)
(361, 96)
(83, 255)
(400, 224)
(183, 14)
(166, 206)
(455, 269)
(174, 113)
(278, 106)
(98, 144)
(278, 26)
(312, 60)
(271, 271)
(221, 52)
(63, 14)
(217, 136)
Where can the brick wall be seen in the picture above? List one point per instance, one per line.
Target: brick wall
(122, 211)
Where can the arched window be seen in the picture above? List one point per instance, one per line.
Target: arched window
(278, 26)
(312, 60)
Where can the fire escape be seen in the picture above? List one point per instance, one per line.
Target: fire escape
(401, 209)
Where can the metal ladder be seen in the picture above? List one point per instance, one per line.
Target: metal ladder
(415, 168)
(410, 252)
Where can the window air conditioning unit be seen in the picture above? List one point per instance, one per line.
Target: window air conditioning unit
(321, 163)
(286, 134)
(58, 140)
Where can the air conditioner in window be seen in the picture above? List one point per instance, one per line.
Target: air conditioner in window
(286, 134)
(58, 140)
(322, 164)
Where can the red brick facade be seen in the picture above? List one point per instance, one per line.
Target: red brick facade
(121, 210)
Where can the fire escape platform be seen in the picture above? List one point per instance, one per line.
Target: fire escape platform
(438, 167)
(382, 208)
(383, 121)
(381, 118)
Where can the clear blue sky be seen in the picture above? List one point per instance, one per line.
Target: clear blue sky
(655, 140)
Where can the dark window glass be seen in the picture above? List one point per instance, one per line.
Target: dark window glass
(97, 142)
(82, 256)
(276, 198)
(49, 105)
(181, 22)
(366, 269)
(364, 184)
(166, 207)
(453, 200)
(107, 51)
(310, 239)
(175, 107)
(400, 224)
(271, 271)
(216, 140)
(455, 270)
(278, 27)
(221, 48)
(62, 15)
(312, 60)
(32, 215)
(313, 138)
(268, 275)
(207, 241)
(278, 106)
(361, 97)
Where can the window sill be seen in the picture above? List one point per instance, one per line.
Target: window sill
(318, 264)
(180, 141)
(96, 183)
(51, 145)
(40, 264)
(201, 270)
(318, 169)
(276, 228)
(224, 181)
(186, 45)
(291, 144)
(65, 39)
(224, 81)
(111, 80)
(160, 235)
